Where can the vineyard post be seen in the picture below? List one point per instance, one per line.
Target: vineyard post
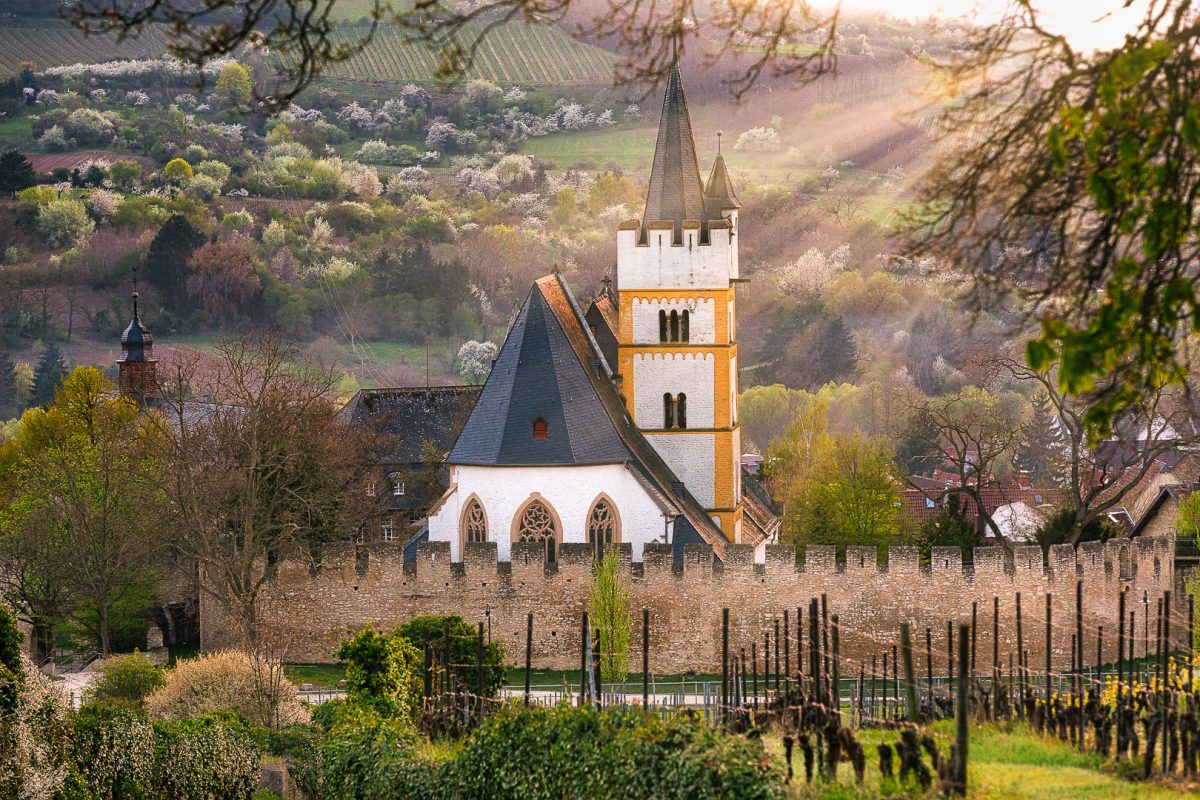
(825, 640)
(950, 662)
(1120, 666)
(777, 655)
(871, 696)
(479, 667)
(583, 658)
(1074, 663)
(800, 644)
(961, 731)
(1020, 650)
(428, 671)
(1079, 662)
(1049, 641)
(974, 633)
(787, 654)
(1191, 641)
(766, 665)
(1099, 650)
(1166, 684)
(929, 668)
(646, 658)
(814, 648)
(724, 664)
(910, 680)
(754, 671)
(996, 654)
(528, 652)
(884, 710)
(837, 672)
(896, 675)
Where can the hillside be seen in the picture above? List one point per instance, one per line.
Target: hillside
(516, 53)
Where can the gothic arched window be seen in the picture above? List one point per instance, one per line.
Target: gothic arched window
(474, 522)
(602, 526)
(537, 523)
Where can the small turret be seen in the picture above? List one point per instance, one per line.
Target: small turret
(137, 365)
(719, 196)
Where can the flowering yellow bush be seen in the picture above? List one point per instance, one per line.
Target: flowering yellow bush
(228, 680)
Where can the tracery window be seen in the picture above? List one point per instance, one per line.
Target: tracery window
(537, 525)
(601, 526)
(474, 523)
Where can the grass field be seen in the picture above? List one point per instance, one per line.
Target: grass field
(324, 676)
(1005, 763)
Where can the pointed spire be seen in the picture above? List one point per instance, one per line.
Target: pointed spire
(675, 192)
(718, 191)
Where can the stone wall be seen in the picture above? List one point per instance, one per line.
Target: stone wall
(315, 609)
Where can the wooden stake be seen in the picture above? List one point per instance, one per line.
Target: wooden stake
(910, 681)
(528, 652)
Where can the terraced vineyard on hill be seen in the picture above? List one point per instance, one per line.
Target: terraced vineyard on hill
(55, 43)
(515, 53)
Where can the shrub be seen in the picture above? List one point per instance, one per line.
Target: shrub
(464, 644)
(536, 753)
(34, 738)
(38, 195)
(374, 151)
(104, 203)
(227, 680)
(65, 223)
(55, 140)
(202, 187)
(177, 170)
(114, 748)
(237, 219)
(368, 757)
(209, 757)
(90, 127)
(759, 140)
(383, 674)
(129, 679)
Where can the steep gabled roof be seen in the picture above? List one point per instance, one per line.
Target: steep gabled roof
(718, 191)
(537, 377)
(602, 321)
(675, 192)
(413, 417)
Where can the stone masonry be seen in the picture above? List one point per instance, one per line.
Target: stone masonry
(316, 608)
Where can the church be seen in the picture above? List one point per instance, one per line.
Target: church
(619, 425)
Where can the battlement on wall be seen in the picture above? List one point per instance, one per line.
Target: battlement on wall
(1121, 559)
(316, 602)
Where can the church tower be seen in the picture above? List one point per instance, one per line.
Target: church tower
(136, 365)
(677, 322)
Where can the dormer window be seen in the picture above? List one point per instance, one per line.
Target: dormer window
(540, 431)
(397, 484)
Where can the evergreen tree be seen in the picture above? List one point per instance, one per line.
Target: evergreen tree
(9, 400)
(167, 259)
(950, 528)
(47, 376)
(1040, 454)
(16, 173)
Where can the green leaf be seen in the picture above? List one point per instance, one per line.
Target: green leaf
(1189, 128)
(1039, 354)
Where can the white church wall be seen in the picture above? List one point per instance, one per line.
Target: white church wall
(662, 265)
(692, 457)
(654, 375)
(702, 322)
(570, 491)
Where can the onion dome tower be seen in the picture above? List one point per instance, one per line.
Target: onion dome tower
(137, 365)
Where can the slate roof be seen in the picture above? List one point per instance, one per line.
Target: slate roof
(551, 367)
(718, 191)
(537, 377)
(413, 416)
(675, 192)
(602, 321)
